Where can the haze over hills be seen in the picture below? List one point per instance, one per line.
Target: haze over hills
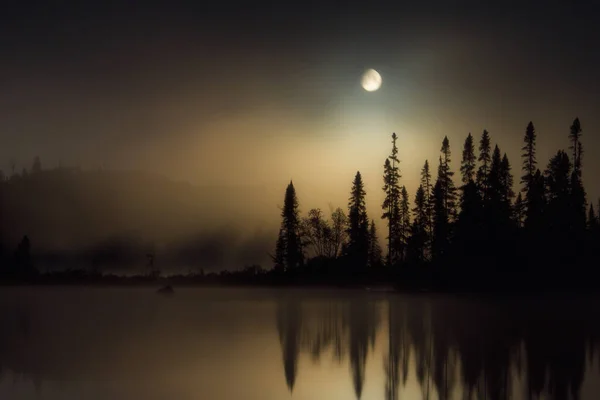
(75, 217)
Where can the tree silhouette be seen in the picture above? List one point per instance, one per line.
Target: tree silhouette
(467, 165)
(485, 161)
(358, 225)
(529, 158)
(428, 197)
(574, 137)
(391, 203)
(317, 233)
(440, 238)
(289, 244)
(448, 187)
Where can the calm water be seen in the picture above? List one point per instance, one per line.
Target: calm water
(82, 343)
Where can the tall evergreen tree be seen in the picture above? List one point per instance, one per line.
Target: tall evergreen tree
(427, 185)
(289, 243)
(529, 159)
(358, 224)
(439, 245)
(467, 165)
(574, 137)
(578, 200)
(448, 186)
(391, 203)
(485, 161)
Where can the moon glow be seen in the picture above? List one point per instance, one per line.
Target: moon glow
(371, 80)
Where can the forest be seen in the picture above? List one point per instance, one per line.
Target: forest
(490, 232)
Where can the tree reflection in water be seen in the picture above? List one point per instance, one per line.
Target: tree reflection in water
(492, 349)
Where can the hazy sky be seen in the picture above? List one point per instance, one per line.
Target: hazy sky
(233, 93)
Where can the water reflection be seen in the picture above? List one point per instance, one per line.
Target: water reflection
(492, 349)
(271, 345)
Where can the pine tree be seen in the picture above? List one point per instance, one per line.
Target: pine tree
(574, 137)
(529, 159)
(440, 221)
(428, 193)
(358, 224)
(375, 259)
(448, 187)
(578, 195)
(467, 165)
(485, 163)
(404, 221)
(289, 243)
(391, 203)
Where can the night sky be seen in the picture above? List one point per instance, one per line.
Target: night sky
(256, 94)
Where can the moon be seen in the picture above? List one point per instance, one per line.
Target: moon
(371, 80)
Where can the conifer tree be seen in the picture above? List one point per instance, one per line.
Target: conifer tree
(574, 137)
(529, 158)
(448, 187)
(467, 165)
(404, 221)
(391, 203)
(427, 185)
(485, 161)
(289, 243)
(358, 224)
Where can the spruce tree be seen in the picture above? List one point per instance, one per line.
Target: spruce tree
(427, 185)
(358, 224)
(448, 186)
(485, 161)
(529, 159)
(404, 221)
(289, 243)
(574, 137)
(391, 203)
(467, 164)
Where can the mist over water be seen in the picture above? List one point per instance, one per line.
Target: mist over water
(74, 343)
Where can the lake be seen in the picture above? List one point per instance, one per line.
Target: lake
(268, 344)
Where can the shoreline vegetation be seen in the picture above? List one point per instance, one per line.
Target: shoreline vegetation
(489, 234)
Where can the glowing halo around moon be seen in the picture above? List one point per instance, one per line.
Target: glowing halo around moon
(371, 80)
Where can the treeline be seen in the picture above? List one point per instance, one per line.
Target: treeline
(482, 233)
